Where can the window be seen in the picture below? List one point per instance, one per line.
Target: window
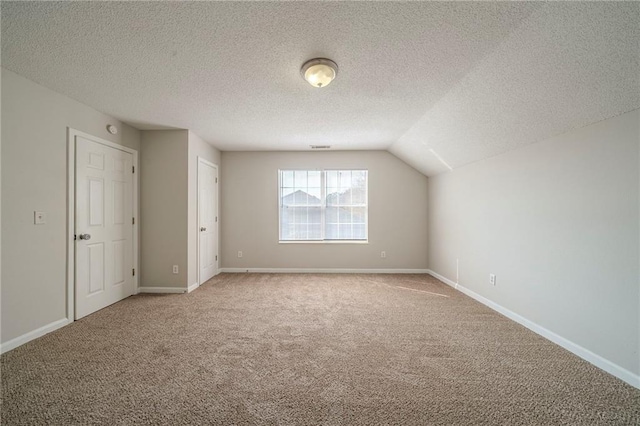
(323, 205)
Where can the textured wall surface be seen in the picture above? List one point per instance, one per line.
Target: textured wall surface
(397, 211)
(558, 223)
(34, 178)
(163, 208)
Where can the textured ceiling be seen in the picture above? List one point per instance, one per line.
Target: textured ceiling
(430, 81)
(565, 67)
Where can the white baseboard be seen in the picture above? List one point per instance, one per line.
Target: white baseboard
(21, 340)
(192, 287)
(595, 359)
(162, 290)
(443, 279)
(323, 271)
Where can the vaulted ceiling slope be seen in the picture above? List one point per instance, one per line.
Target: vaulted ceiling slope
(432, 82)
(566, 66)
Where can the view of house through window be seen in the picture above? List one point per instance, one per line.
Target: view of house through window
(323, 205)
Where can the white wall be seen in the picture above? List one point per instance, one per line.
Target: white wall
(558, 223)
(163, 208)
(34, 178)
(197, 148)
(249, 215)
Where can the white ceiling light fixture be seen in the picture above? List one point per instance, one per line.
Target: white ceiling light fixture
(319, 72)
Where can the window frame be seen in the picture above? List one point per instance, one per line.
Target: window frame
(323, 207)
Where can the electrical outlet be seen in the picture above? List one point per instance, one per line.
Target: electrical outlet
(239, 253)
(175, 269)
(383, 254)
(492, 279)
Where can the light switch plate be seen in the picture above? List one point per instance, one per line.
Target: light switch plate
(39, 218)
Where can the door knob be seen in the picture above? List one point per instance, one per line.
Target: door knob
(84, 236)
(202, 229)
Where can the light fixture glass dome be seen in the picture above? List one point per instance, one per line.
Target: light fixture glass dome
(319, 72)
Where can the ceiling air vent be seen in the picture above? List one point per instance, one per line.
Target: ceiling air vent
(320, 146)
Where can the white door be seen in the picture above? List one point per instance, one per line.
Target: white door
(103, 226)
(207, 220)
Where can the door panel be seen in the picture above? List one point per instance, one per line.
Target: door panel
(104, 212)
(118, 203)
(119, 262)
(95, 268)
(96, 201)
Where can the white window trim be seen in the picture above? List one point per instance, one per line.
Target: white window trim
(324, 206)
(323, 241)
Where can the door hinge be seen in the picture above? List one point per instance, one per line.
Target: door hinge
(216, 218)
(133, 220)
(133, 169)
(216, 180)
(216, 257)
(133, 272)
(75, 237)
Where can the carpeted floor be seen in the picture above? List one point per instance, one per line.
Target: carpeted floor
(306, 350)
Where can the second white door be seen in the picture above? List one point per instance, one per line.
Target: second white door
(207, 220)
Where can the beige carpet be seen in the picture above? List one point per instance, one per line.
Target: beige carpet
(306, 350)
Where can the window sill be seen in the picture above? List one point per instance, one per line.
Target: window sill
(324, 242)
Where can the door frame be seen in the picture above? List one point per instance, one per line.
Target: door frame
(202, 160)
(71, 213)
